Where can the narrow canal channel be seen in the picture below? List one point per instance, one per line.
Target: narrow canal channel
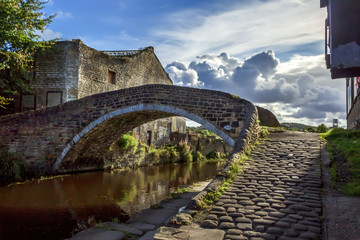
(53, 208)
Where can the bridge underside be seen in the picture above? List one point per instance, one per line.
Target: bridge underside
(90, 150)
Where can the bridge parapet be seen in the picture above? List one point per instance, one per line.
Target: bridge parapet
(75, 135)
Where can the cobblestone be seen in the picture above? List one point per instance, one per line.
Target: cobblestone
(278, 196)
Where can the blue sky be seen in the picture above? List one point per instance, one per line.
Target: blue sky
(267, 51)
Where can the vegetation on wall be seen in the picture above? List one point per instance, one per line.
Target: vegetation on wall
(12, 167)
(129, 146)
(20, 25)
(127, 142)
(344, 150)
(184, 152)
(201, 132)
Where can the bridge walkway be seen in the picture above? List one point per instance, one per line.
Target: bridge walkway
(279, 195)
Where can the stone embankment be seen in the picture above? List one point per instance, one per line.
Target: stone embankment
(144, 225)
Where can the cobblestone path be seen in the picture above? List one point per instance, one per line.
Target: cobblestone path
(277, 197)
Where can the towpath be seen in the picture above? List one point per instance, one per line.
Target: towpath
(279, 195)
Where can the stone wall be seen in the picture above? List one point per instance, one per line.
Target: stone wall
(353, 117)
(209, 144)
(267, 118)
(57, 70)
(160, 132)
(76, 135)
(245, 141)
(130, 71)
(75, 70)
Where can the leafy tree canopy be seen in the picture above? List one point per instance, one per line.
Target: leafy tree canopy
(322, 128)
(21, 22)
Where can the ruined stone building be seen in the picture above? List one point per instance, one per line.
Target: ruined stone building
(342, 51)
(161, 132)
(71, 70)
(353, 103)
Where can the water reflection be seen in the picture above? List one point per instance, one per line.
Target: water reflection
(55, 205)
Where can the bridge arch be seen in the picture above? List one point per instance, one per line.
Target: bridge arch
(69, 130)
(139, 108)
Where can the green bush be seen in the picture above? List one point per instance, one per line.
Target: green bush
(184, 152)
(127, 142)
(197, 156)
(155, 155)
(172, 153)
(212, 155)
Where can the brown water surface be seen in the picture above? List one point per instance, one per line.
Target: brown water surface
(52, 209)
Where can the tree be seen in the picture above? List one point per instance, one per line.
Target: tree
(309, 129)
(21, 22)
(321, 128)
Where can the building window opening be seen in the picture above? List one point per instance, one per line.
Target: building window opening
(111, 77)
(28, 102)
(148, 138)
(53, 98)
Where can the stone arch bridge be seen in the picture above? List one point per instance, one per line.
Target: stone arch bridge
(82, 130)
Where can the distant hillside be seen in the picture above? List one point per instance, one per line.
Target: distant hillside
(299, 126)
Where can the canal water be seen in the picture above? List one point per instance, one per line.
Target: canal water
(54, 208)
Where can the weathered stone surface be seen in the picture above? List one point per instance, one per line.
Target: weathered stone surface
(142, 226)
(97, 233)
(188, 232)
(243, 220)
(244, 226)
(226, 225)
(209, 224)
(291, 233)
(181, 218)
(120, 227)
(308, 235)
(234, 231)
(274, 230)
(212, 217)
(225, 219)
(235, 237)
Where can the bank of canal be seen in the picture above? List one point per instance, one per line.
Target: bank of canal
(53, 208)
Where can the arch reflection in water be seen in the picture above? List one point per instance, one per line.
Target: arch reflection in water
(41, 209)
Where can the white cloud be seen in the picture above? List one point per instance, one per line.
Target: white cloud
(183, 77)
(294, 90)
(63, 15)
(48, 34)
(242, 29)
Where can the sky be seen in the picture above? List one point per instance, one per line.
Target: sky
(270, 52)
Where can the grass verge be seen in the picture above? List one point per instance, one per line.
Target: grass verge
(346, 144)
(212, 197)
